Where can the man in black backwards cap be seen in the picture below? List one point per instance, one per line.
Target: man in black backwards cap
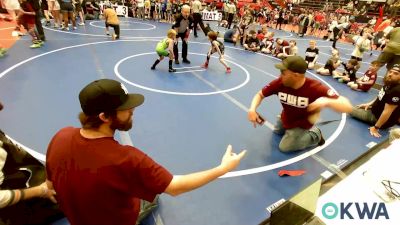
(383, 111)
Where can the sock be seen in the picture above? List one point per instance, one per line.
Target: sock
(155, 63)
(170, 64)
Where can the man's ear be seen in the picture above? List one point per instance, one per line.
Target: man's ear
(104, 117)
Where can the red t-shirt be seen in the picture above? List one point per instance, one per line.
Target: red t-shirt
(99, 181)
(296, 101)
(260, 36)
(27, 7)
(368, 76)
(279, 48)
(319, 17)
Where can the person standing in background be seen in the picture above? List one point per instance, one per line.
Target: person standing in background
(183, 26)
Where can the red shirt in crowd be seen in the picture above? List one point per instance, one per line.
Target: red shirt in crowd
(28, 19)
(260, 36)
(368, 76)
(319, 17)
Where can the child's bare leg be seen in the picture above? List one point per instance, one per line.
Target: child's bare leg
(323, 71)
(221, 59)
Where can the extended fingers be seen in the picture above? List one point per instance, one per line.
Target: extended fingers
(242, 154)
(229, 150)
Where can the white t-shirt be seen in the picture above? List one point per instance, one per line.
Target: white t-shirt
(360, 44)
(196, 6)
(11, 4)
(343, 19)
(231, 8)
(387, 30)
(343, 25)
(334, 23)
(140, 3)
(372, 22)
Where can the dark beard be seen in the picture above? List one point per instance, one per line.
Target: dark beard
(388, 82)
(121, 125)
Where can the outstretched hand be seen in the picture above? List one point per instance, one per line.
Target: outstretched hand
(231, 160)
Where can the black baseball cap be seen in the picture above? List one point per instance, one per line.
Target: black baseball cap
(293, 63)
(396, 67)
(107, 95)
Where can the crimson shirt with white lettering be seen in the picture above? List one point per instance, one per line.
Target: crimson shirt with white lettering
(296, 101)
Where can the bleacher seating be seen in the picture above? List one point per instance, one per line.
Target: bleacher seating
(273, 4)
(318, 4)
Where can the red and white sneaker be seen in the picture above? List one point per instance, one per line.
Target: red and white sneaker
(228, 70)
(205, 66)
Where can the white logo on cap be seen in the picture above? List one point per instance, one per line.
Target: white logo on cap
(395, 99)
(124, 88)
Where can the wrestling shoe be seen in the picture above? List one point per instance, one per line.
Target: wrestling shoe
(205, 66)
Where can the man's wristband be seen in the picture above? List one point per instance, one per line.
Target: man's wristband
(22, 194)
(376, 127)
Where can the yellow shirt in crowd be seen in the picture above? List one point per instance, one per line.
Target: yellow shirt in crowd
(111, 16)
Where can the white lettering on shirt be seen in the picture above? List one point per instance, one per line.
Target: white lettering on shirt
(381, 94)
(293, 100)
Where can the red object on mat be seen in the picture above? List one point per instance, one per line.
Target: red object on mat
(292, 173)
